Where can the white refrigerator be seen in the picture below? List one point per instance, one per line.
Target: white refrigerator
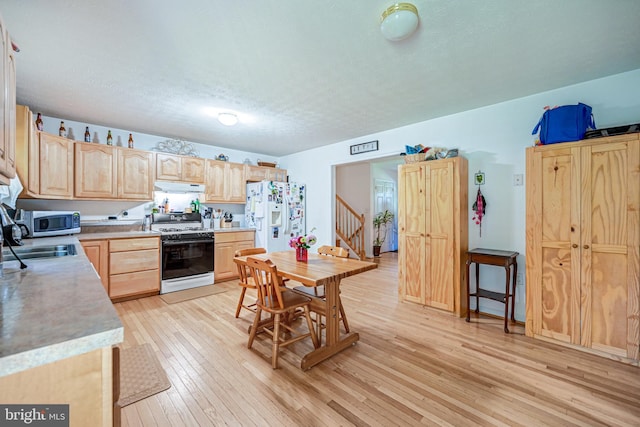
(276, 210)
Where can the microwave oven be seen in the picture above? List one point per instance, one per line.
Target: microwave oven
(47, 223)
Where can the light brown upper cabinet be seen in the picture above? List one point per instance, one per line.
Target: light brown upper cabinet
(262, 173)
(583, 245)
(225, 182)
(173, 167)
(53, 164)
(10, 144)
(96, 171)
(7, 108)
(135, 174)
(107, 172)
(44, 162)
(433, 236)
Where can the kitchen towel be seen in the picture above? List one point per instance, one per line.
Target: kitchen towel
(9, 193)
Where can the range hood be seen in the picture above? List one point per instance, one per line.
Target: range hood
(178, 187)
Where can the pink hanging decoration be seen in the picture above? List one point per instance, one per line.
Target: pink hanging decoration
(479, 207)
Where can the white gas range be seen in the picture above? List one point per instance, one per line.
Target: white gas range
(187, 251)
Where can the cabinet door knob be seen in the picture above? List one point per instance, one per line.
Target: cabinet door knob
(586, 246)
(574, 245)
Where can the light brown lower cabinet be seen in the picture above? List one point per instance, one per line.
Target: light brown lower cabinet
(84, 382)
(98, 253)
(128, 267)
(227, 243)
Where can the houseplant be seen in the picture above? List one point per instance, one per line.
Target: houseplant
(380, 223)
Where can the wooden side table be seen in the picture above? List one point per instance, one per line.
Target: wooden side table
(506, 259)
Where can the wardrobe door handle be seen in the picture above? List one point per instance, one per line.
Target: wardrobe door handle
(574, 245)
(586, 246)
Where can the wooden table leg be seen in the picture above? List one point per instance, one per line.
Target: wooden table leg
(333, 343)
(513, 293)
(468, 292)
(507, 271)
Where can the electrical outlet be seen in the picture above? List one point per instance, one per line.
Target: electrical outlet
(519, 279)
(518, 179)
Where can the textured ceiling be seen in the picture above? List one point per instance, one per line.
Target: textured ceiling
(301, 74)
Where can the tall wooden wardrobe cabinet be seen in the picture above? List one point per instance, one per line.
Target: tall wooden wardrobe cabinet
(583, 245)
(433, 236)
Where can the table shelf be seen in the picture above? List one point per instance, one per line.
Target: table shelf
(498, 258)
(496, 296)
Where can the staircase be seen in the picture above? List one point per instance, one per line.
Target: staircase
(349, 228)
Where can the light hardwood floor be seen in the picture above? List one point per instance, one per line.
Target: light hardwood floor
(412, 366)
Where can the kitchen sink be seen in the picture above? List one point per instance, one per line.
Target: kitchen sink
(48, 251)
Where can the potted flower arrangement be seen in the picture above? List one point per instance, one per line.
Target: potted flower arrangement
(302, 244)
(380, 223)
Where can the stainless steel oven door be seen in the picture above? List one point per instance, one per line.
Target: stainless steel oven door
(184, 258)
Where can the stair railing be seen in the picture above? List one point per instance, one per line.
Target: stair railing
(349, 227)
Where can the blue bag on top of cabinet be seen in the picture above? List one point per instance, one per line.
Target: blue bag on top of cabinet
(565, 123)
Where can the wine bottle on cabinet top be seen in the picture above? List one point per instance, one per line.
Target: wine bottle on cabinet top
(87, 135)
(39, 123)
(130, 143)
(62, 131)
(109, 138)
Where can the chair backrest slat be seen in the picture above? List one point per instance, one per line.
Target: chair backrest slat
(243, 271)
(267, 282)
(333, 251)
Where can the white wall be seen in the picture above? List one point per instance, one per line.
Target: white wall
(493, 139)
(353, 184)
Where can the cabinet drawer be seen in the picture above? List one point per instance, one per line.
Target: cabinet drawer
(120, 245)
(234, 236)
(134, 283)
(126, 262)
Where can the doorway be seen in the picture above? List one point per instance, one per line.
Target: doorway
(369, 187)
(385, 198)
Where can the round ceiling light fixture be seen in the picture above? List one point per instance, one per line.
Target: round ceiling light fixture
(228, 119)
(399, 21)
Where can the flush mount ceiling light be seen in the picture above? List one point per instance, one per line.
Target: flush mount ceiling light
(228, 119)
(399, 21)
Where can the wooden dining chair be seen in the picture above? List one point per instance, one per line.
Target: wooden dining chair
(245, 280)
(279, 302)
(317, 293)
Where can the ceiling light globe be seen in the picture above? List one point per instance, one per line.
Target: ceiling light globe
(399, 21)
(228, 119)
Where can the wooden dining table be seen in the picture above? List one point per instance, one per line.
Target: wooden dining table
(320, 270)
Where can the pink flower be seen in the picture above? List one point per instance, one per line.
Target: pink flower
(305, 241)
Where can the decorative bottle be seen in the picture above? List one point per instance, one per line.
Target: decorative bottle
(109, 138)
(130, 141)
(39, 124)
(87, 135)
(63, 130)
(197, 205)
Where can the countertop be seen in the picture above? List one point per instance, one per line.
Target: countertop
(54, 309)
(138, 233)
